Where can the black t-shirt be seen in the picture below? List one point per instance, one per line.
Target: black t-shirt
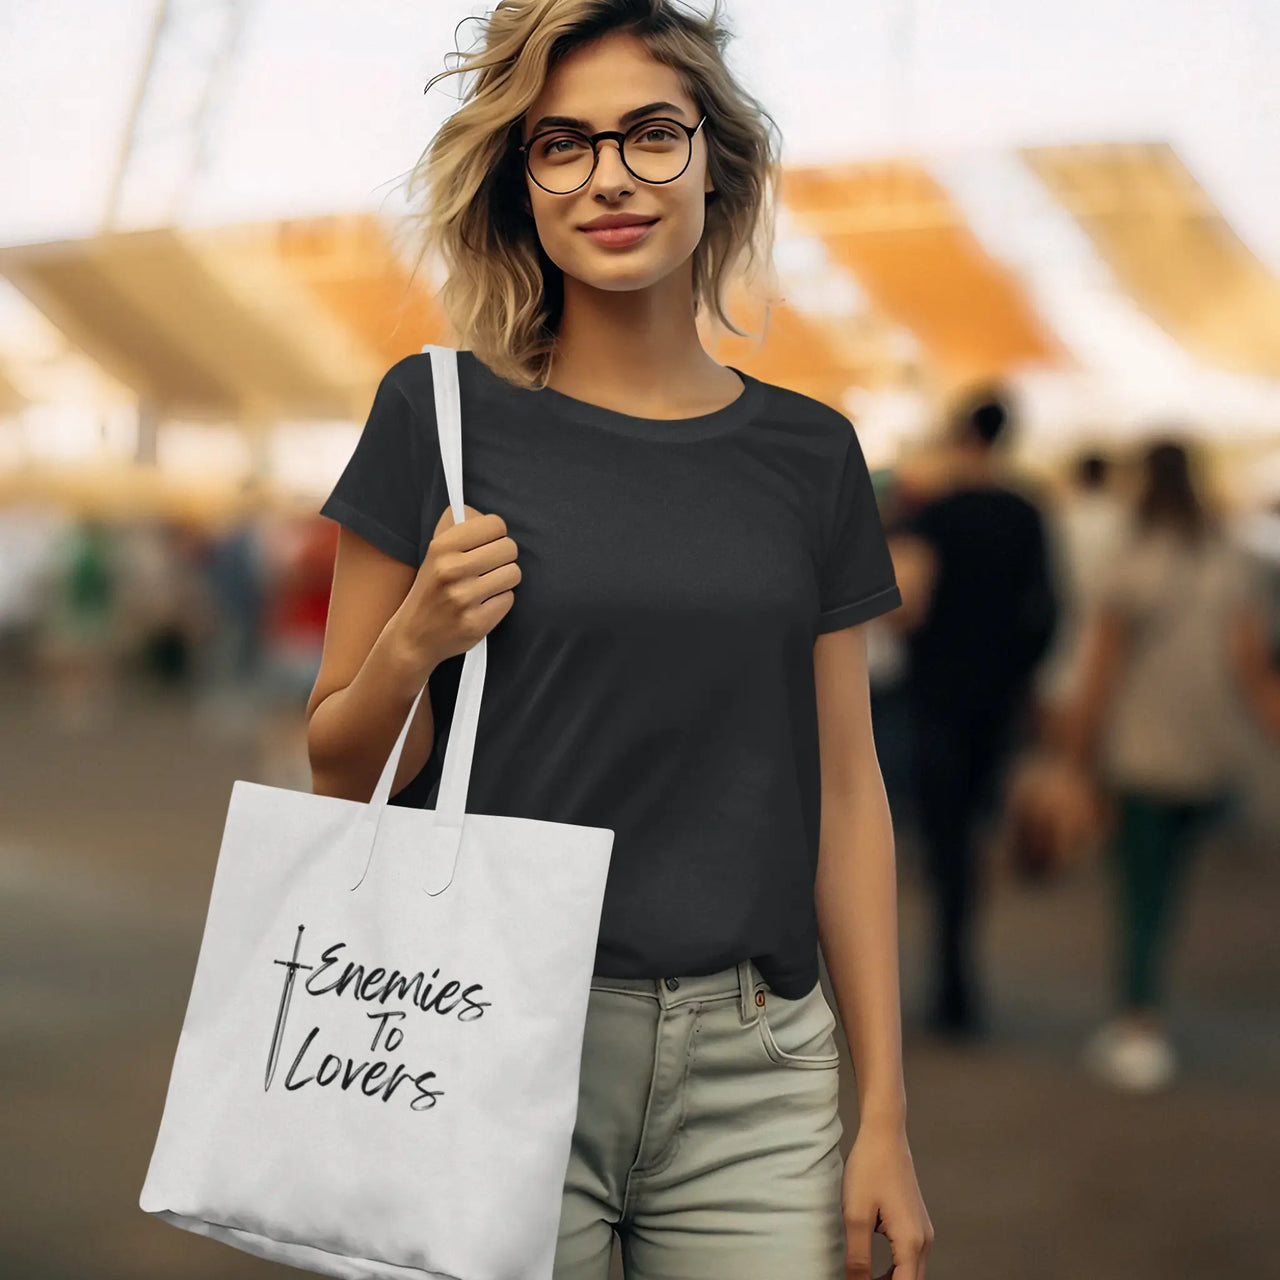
(654, 674)
(993, 610)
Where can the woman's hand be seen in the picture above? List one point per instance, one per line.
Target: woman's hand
(464, 587)
(881, 1194)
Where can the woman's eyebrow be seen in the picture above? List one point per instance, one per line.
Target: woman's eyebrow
(571, 122)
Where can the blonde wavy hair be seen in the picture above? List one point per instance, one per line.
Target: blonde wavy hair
(502, 296)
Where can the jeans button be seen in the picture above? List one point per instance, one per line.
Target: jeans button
(672, 983)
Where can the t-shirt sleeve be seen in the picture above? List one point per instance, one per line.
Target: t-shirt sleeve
(380, 493)
(857, 580)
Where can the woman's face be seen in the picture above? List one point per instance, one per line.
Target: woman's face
(599, 84)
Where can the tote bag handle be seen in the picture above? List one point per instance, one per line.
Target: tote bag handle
(455, 774)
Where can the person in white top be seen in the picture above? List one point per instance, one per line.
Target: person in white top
(1174, 654)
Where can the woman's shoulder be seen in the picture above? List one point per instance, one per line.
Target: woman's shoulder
(412, 373)
(413, 377)
(1211, 570)
(793, 405)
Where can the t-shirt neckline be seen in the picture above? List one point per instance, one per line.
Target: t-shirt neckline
(673, 430)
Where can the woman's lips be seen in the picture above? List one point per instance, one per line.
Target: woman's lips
(614, 237)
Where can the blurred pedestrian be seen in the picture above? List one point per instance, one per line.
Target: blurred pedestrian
(979, 612)
(78, 638)
(1177, 647)
(1052, 817)
(1085, 531)
(237, 576)
(302, 553)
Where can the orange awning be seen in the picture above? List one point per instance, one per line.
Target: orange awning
(912, 252)
(1170, 248)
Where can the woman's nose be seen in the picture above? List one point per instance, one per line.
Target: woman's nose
(610, 171)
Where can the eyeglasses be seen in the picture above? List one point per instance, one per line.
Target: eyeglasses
(655, 150)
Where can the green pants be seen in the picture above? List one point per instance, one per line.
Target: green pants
(708, 1135)
(1153, 840)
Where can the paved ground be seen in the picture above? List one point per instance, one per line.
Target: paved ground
(1029, 1170)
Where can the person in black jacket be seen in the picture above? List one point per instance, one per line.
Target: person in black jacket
(980, 614)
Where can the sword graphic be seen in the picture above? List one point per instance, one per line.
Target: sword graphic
(285, 996)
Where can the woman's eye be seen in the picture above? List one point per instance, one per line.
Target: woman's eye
(552, 146)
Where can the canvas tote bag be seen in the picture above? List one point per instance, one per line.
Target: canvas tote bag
(377, 1073)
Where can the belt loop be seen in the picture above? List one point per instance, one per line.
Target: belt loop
(746, 994)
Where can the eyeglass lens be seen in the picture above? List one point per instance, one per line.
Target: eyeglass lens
(560, 160)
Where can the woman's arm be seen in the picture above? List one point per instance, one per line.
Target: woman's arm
(856, 889)
(390, 625)
(369, 676)
(1258, 681)
(1104, 645)
(857, 904)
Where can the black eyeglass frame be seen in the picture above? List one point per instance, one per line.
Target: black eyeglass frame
(619, 137)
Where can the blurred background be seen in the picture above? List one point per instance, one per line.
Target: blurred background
(1067, 212)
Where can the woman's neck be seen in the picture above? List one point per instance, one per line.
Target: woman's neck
(638, 352)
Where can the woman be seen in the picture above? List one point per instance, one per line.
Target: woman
(1177, 645)
(671, 560)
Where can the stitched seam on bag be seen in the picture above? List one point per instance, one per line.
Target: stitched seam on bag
(285, 1239)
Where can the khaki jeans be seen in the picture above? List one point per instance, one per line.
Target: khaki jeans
(708, 1135)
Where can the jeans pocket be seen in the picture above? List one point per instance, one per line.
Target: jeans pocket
(799, 1033)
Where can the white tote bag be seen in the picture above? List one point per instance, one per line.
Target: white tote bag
(378, 1070)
